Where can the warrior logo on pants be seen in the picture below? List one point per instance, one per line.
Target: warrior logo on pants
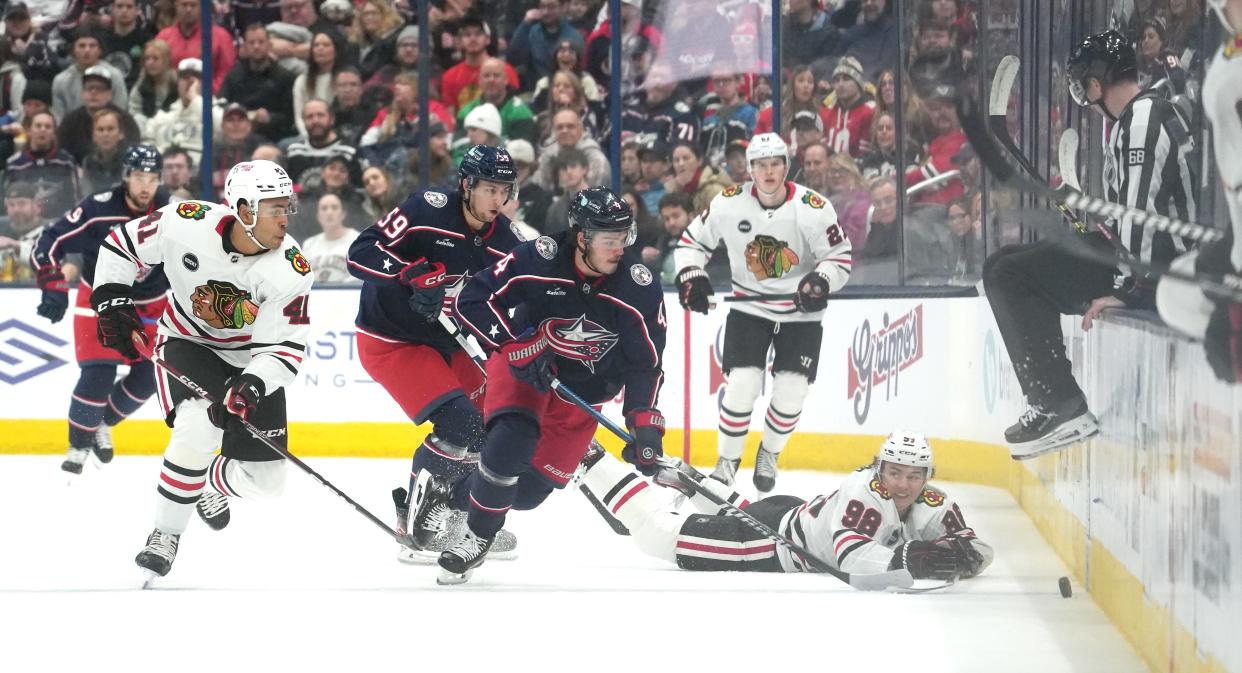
(223, 306)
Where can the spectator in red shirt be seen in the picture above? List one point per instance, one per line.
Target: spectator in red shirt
(941, 150)
(460, 83)
(847, 124)
(184, 38)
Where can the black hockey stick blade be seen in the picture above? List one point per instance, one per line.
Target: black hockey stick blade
(758, 297)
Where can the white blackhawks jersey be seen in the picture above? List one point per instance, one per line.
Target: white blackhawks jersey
(250, 309)
(770, 249)
(1222, 103)
(857, 529)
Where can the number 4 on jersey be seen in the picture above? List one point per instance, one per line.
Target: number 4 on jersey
(296, 311)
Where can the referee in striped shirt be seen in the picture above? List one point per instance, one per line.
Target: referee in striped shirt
(1028, 286)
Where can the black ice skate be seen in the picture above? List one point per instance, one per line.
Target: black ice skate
(726, 470)
(677, 475)
(429, 509)
(213, 508)
(765, 471)
(157, 557)
(1041, 431)
(75, 459)
(458, 563)
(504, 546)
(103, 443)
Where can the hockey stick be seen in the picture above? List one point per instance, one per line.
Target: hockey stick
(149, 353)
(734, 298)
(868, 582)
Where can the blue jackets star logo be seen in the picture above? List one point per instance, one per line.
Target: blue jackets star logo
(579, 339)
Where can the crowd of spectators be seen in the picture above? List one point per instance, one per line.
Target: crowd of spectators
(329, 89)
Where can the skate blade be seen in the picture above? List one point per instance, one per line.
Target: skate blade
(1065, 436)
(449, 578)
(149, 578)
(427, 557)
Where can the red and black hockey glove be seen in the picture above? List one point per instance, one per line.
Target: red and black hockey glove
(646, 426)
(812, 295)
(530, 360)
(1223, 341)
(926, 560)
(969, 560)
(241, 398)
(694, 289)
(55, 298)
(118, 320)
(426, 282)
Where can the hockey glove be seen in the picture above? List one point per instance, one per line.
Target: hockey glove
(812, 295)
(426, 282)
(1223, 341)
(925, 560)
(694, 289)
(241, 397)
(55, 293)
(969, 560)
(530, 360)
(118, 320)
(646, 426)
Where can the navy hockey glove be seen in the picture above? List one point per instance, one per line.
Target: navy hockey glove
(118, 320)
(426, 282)
(694, 289)
(812, 295)
(241, 397)
(926, 560)
(55, 293)
(1223, 341)
(646, 426)
(530, 360)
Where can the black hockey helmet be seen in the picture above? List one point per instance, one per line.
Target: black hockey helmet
(493, 164)
(142, 158)
(598, 209)
(1107, 57)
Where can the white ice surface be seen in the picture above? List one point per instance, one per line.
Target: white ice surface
(305, 583)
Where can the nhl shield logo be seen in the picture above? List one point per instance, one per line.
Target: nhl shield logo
(640, 274)
(436, 199)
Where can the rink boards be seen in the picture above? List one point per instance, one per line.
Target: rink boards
(1148, 516)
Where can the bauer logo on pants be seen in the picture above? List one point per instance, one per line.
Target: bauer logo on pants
(878, 359)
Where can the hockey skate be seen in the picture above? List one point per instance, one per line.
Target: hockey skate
(75, 460)
(765, 471)
(504, 548)
(103, 443)
(1041, 431)
(429, 509)
(458, 563)
(675, 474)
(157, 557)
(213, 508)
(726, 470)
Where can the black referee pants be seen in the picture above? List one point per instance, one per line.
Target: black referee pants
(1029, 287)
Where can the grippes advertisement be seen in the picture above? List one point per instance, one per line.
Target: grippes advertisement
(878, 356)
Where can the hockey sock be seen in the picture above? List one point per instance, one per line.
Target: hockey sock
(644, 509)
(86, 407)
(458, 428)
(491, 496)
(437, 457)
(741, 391)
(511, 441)
(247, 478)
(788, 393)
(184, 471)
(130, 392)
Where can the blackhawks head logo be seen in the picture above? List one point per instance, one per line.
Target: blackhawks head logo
(223, 306)
(192, 210)
(767, 257)
(298, 260)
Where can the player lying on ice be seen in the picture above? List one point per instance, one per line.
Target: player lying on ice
(884, 516)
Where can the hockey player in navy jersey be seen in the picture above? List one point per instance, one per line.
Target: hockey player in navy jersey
(99, 401)
(410, 261)
(585, 311)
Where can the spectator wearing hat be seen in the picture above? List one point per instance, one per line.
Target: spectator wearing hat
(807, 129)
(156, 88)
(127, 37)
(654, 170)
(37, 97)
(568, 132)
(376, 27)
(735, 161)
(236, 143)
(333, 178)
(659, 112)
(533, 47)
(77, 127)
(571, 178)
(847, 123)
(67, 94)
(29, 45)
(52, 170)
(178, 174)
(516, 118)
(482, 126)
(350, 114)
(182, 123)
(460, 83)
(305, 155)
(808, 34)
(942, 110)
(262, 86)
(533, 200)
(566, 58)
(328, 54)
(18, 232)
(406, 61)
(185, 39)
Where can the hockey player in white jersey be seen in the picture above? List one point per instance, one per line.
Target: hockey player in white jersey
(781, 238)
(236, 324)
(1181, 304)
(884, 516)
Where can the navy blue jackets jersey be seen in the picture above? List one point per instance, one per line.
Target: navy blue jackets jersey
(607, 332)
(83, 229)
(428, 225)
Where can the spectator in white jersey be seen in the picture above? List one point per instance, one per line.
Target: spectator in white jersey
(328, 251)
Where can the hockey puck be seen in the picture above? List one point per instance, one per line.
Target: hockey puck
(1066, 590)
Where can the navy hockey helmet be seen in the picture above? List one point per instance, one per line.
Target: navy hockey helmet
(1107, 57)
(142, 158)
(493, 164)
(598, 209)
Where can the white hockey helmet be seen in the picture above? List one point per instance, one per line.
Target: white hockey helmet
(252, 182)
(767, 145)
(905, 447)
